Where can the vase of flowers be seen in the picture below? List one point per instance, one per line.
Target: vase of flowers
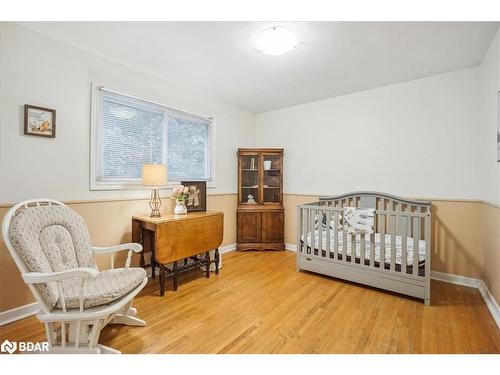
(180, 194)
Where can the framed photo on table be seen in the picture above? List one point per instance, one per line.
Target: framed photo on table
(197, 195)
(39, 121)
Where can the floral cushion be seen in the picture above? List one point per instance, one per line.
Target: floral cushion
(107, 287)
(51, 239)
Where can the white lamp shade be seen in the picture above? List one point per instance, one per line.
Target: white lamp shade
(154, 174)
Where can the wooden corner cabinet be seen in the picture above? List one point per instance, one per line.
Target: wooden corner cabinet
(260, 214)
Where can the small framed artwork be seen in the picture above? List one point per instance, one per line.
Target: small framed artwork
(39, 121)
(197, 195)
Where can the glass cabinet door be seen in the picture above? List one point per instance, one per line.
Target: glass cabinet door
(271, 182)
(249, 169)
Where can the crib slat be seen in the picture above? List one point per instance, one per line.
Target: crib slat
(416, 231)
(305, 226)
(320, 232)
(328, 246)
(397, 207)
(392, 221)
(353, 248)
(344, 241)
(312, 231)
(336, 235)
(427, 238)
(362, 250)
(372, 249)
(299, 229)
(304, 230)
(404, 243)
(382, 242)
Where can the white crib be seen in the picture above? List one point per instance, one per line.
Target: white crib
(396, 257)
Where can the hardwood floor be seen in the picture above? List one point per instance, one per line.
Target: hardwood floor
(260, 304)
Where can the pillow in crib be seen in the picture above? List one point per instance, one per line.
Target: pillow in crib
(323, 222)
(339, 224)
(359, 220)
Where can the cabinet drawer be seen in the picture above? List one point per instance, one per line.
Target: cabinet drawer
(273, 227)
(249, 227)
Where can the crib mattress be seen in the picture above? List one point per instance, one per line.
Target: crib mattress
(377, 240)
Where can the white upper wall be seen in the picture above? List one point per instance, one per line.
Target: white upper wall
(38, 70)
(490, 85)
(420, 138)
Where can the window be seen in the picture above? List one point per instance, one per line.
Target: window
(128, 132)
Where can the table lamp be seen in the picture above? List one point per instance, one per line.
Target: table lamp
(154, 175)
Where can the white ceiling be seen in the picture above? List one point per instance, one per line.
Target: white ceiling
(332, 58)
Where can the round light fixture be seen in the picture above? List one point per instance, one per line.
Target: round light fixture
(276, 40)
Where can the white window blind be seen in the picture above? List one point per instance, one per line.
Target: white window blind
(130, 132)
(188, 148)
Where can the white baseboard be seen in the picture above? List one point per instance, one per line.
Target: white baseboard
(227, 248)
(491, 303)
(291, 247)
(488, 298)
(456, 279)
(18, 313)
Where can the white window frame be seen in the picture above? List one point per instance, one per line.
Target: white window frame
(136, 184)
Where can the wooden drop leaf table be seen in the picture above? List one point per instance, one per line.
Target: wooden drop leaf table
(170, 239)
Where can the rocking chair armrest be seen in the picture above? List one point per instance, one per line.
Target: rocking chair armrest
(45, 277)
(135, 247)
(131, 247)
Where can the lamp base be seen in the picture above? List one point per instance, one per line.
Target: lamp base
(155, 203)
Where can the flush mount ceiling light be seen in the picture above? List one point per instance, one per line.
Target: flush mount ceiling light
(276, 40)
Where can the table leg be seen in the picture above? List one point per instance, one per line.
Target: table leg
(217, 258)
(175, 275)
(162, 279)
(141, 241)
(153, 259)
(207, 259)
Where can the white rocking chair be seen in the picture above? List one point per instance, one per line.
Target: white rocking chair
(51, 247)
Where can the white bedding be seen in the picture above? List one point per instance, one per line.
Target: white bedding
(398, 246)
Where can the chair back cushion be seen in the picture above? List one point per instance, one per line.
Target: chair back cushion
(51, 239)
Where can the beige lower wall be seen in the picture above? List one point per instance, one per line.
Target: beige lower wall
(466, 237)
(109, 223)
(492, 250)
(458, 238)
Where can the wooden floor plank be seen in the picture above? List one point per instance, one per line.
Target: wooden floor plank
(259, 303)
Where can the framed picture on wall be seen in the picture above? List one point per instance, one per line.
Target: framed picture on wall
(197, 195)
(39, 121)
